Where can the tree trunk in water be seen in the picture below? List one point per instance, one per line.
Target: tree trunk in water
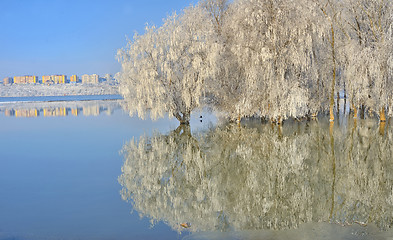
(279, 120)
(338, 103)
(333, 156)
(314, 116)
(184, 118)
(279, 128)
(362, 110)
(182, 130)
(334, 76)
(382, 117)
(382, 128)
(331, 113)
(355, 111)
(345, 99)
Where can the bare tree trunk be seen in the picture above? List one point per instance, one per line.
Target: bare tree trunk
(338, 103)
(279, 128)
(355, 111)
(279, 120)
(345, 99)
(362, 111)
(314, 116)
(382, 128)
(184, 118)
(382, 117)
(331, 109)
(333, 157)
(331, 119)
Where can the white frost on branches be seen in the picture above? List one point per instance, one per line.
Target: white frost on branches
(164, 70)
(275, 59)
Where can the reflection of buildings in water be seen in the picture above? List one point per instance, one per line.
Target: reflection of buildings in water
(107, 110)
(91, 110)
(88, 108)
(55, 112)
(9, 112)
(75, 111)
(25, 113)
(260, 177)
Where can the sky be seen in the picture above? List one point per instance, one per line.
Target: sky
(46, 37)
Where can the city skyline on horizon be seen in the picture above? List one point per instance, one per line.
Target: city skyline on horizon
(42, 37)
(57, 78)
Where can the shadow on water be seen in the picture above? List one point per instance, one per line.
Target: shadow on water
(302, 180)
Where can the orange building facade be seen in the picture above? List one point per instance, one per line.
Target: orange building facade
(54, 79)
(25, 79)
(8, 80)
(74, 79)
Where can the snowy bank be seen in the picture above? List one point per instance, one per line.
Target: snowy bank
(30, 90)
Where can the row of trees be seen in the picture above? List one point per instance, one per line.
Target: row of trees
(275, 59)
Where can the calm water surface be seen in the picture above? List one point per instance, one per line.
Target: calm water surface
(76, 170)
(59, 169)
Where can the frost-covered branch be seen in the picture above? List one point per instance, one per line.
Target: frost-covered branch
(275, 59)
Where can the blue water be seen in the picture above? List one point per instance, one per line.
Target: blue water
(60, 98)
(58, 178)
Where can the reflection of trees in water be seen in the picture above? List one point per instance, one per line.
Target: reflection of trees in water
(259, 177)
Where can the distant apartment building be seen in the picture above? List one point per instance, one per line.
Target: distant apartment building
(108, 77)
(54, 79)
(60, 79)
(8, 80)
(25, 79)
(74, 79)
(46, 79)
(94, 78)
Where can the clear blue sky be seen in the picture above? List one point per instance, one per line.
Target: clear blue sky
(41, 37)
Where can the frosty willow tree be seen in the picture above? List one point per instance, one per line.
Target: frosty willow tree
(164, 70)
(275, 59)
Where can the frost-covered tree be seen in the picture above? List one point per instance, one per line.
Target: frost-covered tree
(164, 70)
(275, 59)
(333, 41)
(227, 89)
(370, 55)
(272, 45)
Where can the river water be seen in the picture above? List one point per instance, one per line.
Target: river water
(87, 170)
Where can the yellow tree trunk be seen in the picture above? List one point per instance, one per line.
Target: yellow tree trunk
(279, 120)
(333, 156)
(355, 111)
(334, 76)
(331, 113)
(279, 127)
(382, 117)
(338, 103)
(382, 128)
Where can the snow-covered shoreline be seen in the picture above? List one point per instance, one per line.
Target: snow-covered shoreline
(32, 90)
